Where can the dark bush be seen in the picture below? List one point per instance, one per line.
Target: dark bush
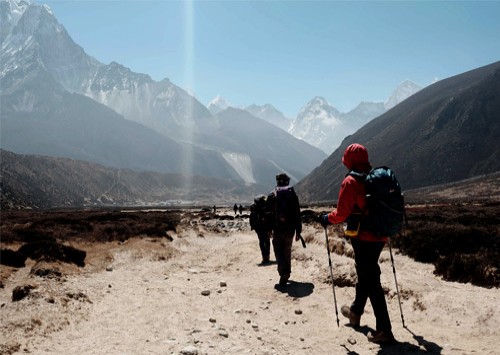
(480, 269)
(21, 292)
(462, 242)
(12, 258)
(52, 251)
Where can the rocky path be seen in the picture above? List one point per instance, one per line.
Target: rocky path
(211, 297)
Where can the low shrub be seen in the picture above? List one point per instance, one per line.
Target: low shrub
(461, 241)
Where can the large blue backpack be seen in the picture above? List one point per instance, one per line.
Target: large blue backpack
(385, 207)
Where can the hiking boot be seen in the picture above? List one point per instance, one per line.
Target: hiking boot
(381, 337)
(284, 279)
(353, 317)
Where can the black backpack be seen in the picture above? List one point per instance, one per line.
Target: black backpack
(283, 204)
(385, 208)
(258, 219)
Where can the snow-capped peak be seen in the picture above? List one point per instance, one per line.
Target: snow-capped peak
(269, 113)
(17, 8)
(218, 104)
(318, 106)
(401, 93)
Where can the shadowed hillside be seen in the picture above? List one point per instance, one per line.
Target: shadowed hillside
(29, 181)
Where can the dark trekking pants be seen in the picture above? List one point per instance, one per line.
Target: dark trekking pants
(366, 255)
(264, 244)
(282, 245)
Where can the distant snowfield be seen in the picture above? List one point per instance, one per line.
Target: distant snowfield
(242, 164)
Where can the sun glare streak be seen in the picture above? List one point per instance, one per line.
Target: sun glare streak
(187, 161)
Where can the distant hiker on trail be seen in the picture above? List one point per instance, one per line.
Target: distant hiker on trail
(284, 204)
(260, 224)
(215, 209)
(235, 209)
(240, 209)
(367, 247)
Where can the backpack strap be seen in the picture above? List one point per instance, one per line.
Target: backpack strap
(357, 175)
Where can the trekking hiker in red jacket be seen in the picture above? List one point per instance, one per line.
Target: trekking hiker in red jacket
(367, 247)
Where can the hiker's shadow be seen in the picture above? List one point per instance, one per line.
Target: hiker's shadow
(429, 346)
(398, 347)
(296, 289)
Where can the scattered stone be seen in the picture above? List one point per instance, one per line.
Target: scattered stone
(80, 296)
(248, 321)
(223, 333)
(351, 340)
(205, 292)
(212, 320)
(255, 326)
(109, 268)
(223, 284)
(9, 348)
(193, 271)
(298, 311)
(301, 339)
(189, 350)
(50, 273)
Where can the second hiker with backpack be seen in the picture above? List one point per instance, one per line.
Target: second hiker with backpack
(368, 233)
(260, 223)
(283, 205)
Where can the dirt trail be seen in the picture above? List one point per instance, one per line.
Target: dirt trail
(148, 305)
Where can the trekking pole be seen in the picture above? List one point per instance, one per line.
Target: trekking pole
(396, 281)
(331, 274)
(303, 241)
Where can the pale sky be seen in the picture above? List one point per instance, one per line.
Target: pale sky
(287, 52)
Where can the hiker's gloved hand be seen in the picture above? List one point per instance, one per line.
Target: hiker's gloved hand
(323, 220)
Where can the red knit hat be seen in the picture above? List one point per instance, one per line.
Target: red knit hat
(356, 158)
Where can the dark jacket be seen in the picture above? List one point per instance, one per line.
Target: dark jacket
(284, 204)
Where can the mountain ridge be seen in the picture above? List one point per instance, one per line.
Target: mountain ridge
(445, 132)
(43, 182)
